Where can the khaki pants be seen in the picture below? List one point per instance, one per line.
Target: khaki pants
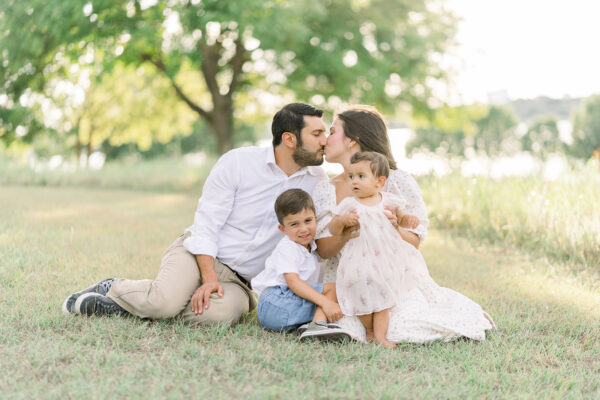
(178, 278)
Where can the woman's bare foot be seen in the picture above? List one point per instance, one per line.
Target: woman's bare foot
(384, 342)
(369, 335)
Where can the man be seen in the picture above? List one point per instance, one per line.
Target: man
(204, 274)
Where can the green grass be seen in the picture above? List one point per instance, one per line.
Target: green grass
(159, 175)
(556, 219)
(56, 240)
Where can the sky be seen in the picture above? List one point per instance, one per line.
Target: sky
(526, 48)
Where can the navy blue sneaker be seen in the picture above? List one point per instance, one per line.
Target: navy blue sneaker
(101, 287)
(97, 304)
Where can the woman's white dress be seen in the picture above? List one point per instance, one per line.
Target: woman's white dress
(421, 311)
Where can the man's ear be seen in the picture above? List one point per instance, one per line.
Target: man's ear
(281, 228)
(289, 140)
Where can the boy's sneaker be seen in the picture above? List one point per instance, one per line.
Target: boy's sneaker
(100, 287)
(323, 331)
(304, 327)
(97, 304)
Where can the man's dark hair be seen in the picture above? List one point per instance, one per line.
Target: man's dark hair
(378, 163)
(292, 201)
(291, 119)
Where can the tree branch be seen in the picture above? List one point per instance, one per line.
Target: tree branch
(210, 67)
(162, 67)
(237, 62)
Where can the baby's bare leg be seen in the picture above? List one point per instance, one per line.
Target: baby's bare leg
(367, 321)
(329, 292)
(381, 320)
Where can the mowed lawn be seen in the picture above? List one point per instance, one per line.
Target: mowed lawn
(54, 241)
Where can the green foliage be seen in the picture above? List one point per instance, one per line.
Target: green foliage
(586, 129)
(530, 110)
(452, 130)
(542, 138)
(380, 51)
(495, 130)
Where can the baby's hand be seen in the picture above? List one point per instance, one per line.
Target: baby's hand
(409, 221)
(351, 219)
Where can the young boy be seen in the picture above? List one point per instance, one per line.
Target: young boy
(290, 294)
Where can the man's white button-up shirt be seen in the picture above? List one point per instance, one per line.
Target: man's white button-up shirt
(235, 220)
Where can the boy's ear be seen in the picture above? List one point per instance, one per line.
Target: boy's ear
(281, 228)
(289, 140)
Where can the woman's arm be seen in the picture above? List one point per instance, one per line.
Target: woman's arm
(409, 237)
(330, 246)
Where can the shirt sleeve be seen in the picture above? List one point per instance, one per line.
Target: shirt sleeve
(394, 201)
(345, 206)
(324, 199)
(285, 258)
(403, 184)
(214, 206)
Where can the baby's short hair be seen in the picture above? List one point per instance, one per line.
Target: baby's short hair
(292, 201)
(379, 164)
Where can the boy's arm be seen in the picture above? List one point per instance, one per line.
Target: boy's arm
(301, 288)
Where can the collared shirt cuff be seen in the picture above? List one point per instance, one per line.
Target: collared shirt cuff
(196, 245)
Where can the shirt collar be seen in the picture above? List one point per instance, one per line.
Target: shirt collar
(313, 245)
(270, 159)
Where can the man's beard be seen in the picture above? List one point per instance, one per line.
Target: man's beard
(305, 158)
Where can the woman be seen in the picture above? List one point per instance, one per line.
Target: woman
(428, 312)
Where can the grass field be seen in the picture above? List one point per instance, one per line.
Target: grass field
(556, 219)
(56, 240)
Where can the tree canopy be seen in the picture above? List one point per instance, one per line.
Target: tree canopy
(383, 52)
(586, 129)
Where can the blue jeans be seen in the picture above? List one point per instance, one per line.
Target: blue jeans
(280, 309)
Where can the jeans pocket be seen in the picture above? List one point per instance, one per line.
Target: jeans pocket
(272, 316)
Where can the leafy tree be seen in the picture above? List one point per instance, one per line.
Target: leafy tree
(495, 130)
(586, 128)
(376, 51)
(450, 129)
(542, 138)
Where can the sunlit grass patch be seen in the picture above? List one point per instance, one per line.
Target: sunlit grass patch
(558, 219)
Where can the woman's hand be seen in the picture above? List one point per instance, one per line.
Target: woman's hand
(390, 213)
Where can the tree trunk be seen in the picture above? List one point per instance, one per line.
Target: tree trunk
(221, 122)
(220, 118)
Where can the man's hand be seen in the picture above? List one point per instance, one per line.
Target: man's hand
(201, 297)
(332, 311)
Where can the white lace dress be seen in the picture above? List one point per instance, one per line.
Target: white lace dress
(424, 311)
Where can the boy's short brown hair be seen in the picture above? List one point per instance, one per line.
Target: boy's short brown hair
(292, 201)
(379, 164)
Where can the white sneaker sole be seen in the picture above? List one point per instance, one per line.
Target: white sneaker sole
(329, 334)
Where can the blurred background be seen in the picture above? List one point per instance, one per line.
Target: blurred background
(478, 88)
(493, 106)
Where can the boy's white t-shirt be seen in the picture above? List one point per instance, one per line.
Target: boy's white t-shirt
(288, 257)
